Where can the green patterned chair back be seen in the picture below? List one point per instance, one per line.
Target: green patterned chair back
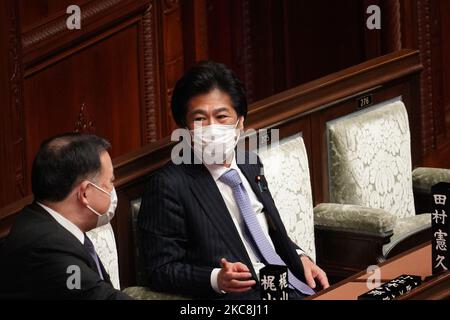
(287, 173)
(370, 159)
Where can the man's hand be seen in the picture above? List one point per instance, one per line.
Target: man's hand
(312, 272)
(234, 277)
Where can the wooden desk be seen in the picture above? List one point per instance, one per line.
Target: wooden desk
(416, 261)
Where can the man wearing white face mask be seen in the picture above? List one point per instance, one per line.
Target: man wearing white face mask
(214, 144)
(106, 217)
(47, 254)
(206, 229)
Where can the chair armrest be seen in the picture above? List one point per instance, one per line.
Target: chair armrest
(144, 293)
(354, 218)
(350, 237)
(424, 178)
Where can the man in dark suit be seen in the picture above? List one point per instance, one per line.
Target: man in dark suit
(47, 254)
(207, 228)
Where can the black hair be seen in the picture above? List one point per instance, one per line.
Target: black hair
(62, 162)
(203, 78)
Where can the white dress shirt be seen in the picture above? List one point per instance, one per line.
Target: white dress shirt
(216, 172)
(66, 224)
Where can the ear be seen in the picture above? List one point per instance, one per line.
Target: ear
(83, 192)
(241, 123)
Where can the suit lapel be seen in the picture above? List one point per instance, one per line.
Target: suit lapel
(273, 218)
(210, 199)
(251, 171)
(105, 274)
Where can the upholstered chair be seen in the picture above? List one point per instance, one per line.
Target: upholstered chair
(287, 173)
(371, 179)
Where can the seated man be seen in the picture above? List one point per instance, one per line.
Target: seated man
(47, 254)
(207, 229)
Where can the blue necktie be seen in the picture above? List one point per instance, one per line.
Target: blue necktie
(232, 179)
(91, 249)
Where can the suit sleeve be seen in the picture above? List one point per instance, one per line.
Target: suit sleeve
(63, 275)
(164, 239)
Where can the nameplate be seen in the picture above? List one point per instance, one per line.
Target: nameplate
(364, 102)
(440, 227)
(393, 289)
(274, 282)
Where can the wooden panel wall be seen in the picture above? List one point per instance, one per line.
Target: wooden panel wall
(440, 45)
(115, 76)
(12, 158)
(97, 86)
(274, 45)
(424, 26)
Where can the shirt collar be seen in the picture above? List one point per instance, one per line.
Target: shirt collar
(68, 225)
(217, 170)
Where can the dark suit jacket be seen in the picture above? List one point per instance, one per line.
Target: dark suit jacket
(35, 257)
(185, 229)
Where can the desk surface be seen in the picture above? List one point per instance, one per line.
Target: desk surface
(416, 261)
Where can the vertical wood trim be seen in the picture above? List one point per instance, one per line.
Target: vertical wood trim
(195, 31)
(201, 27)
(392, 26)
(426, 81)
(173, 64)
(160, 72)
(285, 60)
(437, 71)
(16, 102)
(6, 168)
(152, 131)
(409, 28)
(247, 50)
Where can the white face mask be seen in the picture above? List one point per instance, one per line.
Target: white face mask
(215, 144)
(105, 218)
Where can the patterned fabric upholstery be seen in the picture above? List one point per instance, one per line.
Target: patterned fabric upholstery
(105, 245)
(370, 159)
(425, 178)
(354, 218)
(370, 165)
(287, 173)
(143, 293)
(406, 227)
